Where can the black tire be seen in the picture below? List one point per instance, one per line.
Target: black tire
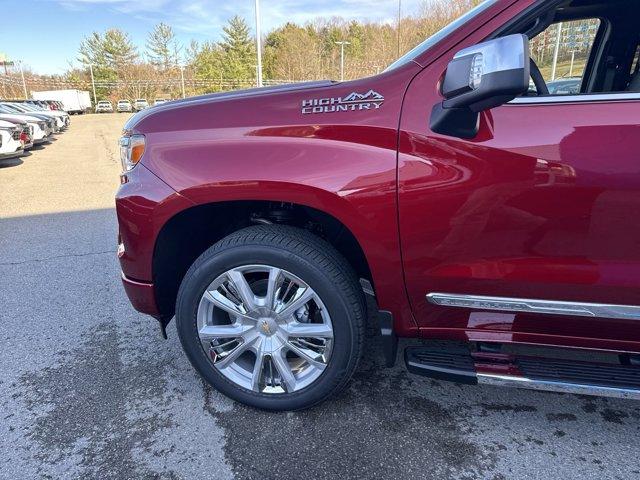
(314, 261)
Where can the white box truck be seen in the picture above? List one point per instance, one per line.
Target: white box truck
(74, 101)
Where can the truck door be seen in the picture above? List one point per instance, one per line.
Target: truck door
(543, 204)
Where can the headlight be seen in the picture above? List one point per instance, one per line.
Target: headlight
(131, 151)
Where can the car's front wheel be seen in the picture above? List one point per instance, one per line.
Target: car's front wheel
(273, 317)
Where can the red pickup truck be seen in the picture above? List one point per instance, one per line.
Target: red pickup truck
(496, 226)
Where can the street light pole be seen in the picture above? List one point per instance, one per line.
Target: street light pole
(258, 44)
(342, 44)
(399, 22)
(24, 83)
(93, 85)
(573, 59)
(556, 52)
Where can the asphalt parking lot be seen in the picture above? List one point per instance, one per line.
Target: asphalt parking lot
(88, 389)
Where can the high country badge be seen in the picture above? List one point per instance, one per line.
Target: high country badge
(353, 102)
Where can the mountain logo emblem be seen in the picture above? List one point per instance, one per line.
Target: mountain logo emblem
(370, 96)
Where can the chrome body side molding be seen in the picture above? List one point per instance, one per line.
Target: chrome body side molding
(561, 387)
(524, 305)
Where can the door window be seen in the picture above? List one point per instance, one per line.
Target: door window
(562, 52)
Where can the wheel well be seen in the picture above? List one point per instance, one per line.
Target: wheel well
(188, 234)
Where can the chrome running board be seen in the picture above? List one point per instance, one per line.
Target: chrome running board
(454, 362)
(526, 305)
(561, 387)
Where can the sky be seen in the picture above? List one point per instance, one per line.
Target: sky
(46, 34)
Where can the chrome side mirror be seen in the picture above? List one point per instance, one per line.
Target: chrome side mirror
(479, 78)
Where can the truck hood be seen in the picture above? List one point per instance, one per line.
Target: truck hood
(5, 124)
(224, 96)
(19, 118)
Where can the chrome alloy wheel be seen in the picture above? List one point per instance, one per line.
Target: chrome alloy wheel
(264, 329)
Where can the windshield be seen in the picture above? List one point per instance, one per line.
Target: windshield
(13, 108)
(445, 32)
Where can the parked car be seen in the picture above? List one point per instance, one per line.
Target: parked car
(26, 135)
(11, 141)
(104, 106)
(565, 86)
(159, 101)
(26, 132)
(124, 106)
(496, 233)
(140, 104)
(61, 118)
(38, 127)
(44, 125)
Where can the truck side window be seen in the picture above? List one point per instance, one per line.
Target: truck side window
(561, 53)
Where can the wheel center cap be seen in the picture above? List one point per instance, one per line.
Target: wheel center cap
(267, 326)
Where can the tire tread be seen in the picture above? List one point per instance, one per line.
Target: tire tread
(312, 249)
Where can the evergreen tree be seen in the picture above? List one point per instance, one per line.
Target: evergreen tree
(109, 50)
(162, 48)
(91, 50)
(107, 53)
(208, 63)
(239, 51)
(118, 49)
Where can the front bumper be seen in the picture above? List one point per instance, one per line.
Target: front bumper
(141, 295)
(144, 204)
(17, 153)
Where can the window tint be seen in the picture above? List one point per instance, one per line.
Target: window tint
(562, 51)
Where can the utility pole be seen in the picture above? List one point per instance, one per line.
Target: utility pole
(258, 44)
(182, 79)
(399, 22)
(556, 52)
(24, 83)
(342, 44)
(93, 85)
